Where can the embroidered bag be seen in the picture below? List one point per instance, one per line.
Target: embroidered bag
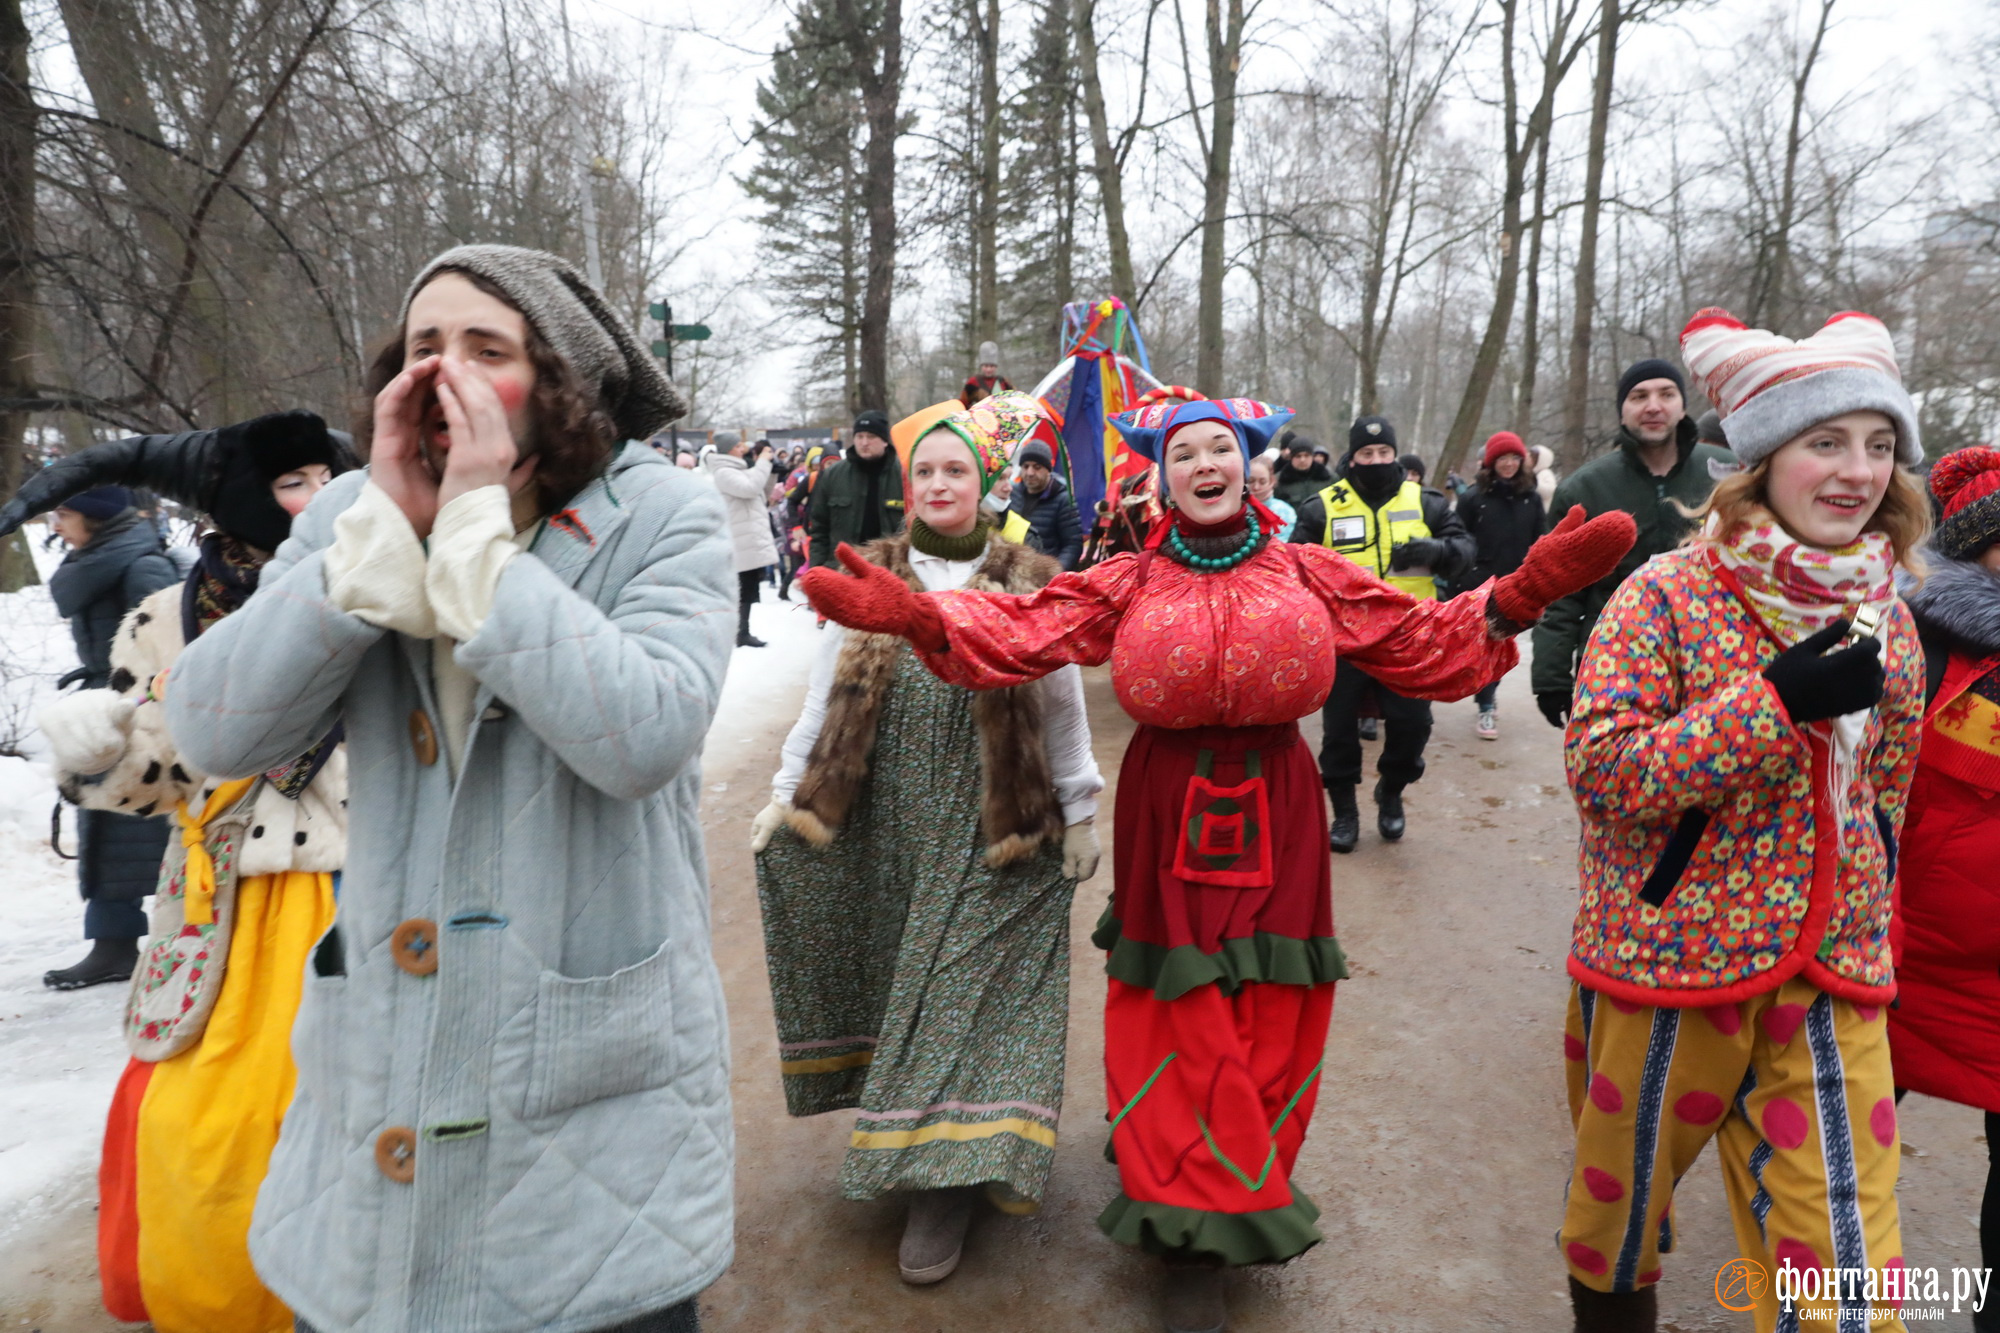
(178, 978)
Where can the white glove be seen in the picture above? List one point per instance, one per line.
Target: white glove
(766, 823)
(88, 730)
(1081, 851)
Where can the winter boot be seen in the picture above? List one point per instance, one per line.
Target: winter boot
(1614, 1311)
(1369, 728)
(934, 1234)
(1194, 1301)
(1345, 830)
(744, 638)
(108, 960)
(1389, 821)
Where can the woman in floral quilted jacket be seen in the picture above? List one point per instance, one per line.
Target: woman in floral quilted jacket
(1741, 751)
(245, 891)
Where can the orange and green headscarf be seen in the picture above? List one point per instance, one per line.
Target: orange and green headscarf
(992, 429)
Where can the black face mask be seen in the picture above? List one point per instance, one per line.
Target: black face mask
(1376, 481)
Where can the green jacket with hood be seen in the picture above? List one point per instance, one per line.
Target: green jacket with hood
(1619, 480)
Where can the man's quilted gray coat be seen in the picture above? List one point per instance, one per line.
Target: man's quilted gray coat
(565, 1068)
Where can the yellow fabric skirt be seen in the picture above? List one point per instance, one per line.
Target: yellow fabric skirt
(209, 1118)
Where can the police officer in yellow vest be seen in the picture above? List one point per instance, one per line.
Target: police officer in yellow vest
(1391, 526)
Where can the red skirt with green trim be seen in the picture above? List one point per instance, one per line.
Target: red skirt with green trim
(1222, 964)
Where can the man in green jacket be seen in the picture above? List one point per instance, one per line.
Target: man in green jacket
(859, 498)
(1659, 464)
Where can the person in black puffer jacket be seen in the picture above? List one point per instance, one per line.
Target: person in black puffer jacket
(115, 561)
(1503, 512)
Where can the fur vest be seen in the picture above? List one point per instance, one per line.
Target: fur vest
(150, 776)
(1018, 812)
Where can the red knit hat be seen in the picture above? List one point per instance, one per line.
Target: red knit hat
(1503, 442)
(1967, 483)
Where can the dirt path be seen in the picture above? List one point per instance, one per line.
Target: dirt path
(1438, 1153)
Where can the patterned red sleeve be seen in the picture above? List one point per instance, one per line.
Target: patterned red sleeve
(998, 639)
(1635, 748)
(1424, 649)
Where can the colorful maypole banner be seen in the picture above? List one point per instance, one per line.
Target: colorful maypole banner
(1096, 380)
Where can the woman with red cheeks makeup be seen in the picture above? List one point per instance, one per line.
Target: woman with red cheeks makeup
(511, 1111)
(1222, 956)
(1741, 749)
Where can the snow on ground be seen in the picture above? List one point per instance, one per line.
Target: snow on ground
(61, 1053)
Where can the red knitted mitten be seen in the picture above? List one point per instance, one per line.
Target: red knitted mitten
(874, 600)
(1571, 557)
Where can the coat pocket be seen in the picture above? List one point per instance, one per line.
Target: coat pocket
(598, 1037)
(1674, 859)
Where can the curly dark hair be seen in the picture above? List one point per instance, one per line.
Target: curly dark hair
(574, 437)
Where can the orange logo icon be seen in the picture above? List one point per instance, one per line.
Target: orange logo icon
(1740, 1284)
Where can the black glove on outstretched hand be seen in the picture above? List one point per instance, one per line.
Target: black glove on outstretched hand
(1815, 685)
(1555, 707)
(1417, 552)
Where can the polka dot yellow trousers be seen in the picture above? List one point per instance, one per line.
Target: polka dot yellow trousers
(1795, 1088)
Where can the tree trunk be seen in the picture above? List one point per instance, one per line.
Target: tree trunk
(1558, 54)
(1576, 402)
(876, 53)
(17, 245)
(1110, 185)
(986, 314)
(1225, 51)
(1767, 305)
(1531, 309)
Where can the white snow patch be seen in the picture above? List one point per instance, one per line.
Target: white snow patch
(61, 1053)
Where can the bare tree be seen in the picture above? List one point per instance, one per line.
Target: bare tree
(17, 296)
(1560, 45)
(1576, 401)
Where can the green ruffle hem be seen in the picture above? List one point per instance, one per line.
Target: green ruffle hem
(1194, 1236)
(1172, 972)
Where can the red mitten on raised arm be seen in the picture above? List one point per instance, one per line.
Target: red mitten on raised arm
(874, 600)
(1569, 558)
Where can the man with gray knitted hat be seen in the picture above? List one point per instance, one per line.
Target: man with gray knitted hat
(512, 1107)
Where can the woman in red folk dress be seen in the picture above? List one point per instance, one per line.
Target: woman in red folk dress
(1222, 953)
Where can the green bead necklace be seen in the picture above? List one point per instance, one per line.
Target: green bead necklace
(1253, 541)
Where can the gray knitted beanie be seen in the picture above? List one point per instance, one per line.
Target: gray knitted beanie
(574, 320)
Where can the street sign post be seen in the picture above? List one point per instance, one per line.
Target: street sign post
(664, 347)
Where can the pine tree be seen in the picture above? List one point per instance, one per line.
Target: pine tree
(808, 180)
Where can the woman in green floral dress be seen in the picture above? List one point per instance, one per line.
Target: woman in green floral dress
(915, 868)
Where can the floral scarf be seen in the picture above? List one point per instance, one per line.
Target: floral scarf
(1798, 590)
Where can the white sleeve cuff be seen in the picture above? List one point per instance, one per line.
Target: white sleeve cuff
(375, 567)
(471, 544)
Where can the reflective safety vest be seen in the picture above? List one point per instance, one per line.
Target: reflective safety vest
(1366, 535)
(1015, 528)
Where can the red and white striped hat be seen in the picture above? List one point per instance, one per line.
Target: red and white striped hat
(1770, 389)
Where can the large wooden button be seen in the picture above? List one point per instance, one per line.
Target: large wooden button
(423, 738)
(414, 946)
(396, 1154)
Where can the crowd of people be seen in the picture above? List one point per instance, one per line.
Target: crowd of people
(445, 1049)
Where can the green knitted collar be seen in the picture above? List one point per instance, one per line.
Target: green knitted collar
(934, 543)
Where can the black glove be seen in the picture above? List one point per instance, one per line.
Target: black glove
(1423, 551)
(1554, 705)
(1813, 687)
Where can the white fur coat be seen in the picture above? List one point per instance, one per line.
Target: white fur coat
(112, 752)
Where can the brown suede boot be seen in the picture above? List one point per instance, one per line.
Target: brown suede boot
(1614, 1311)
